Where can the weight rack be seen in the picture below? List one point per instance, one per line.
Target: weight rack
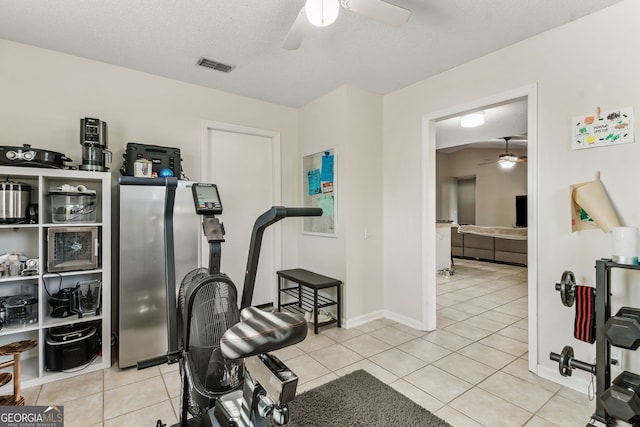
(602, 366)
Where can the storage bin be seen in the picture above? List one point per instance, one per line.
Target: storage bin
(73, 207)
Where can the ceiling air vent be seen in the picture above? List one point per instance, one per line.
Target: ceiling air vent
(225, 68)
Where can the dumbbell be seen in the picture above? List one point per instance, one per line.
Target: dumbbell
(566, 362)
(623, 329)
(567, 288)
(622, 399)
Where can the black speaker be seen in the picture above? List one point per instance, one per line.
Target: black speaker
(521, 211)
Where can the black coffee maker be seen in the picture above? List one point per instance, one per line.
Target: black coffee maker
(60, 302)
(93, 139)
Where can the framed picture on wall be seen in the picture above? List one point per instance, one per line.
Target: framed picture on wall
(320, 191)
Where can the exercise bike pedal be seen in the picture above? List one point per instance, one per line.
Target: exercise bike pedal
(265, 406)
(281, 415)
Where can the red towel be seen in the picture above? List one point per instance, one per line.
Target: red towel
(585, 324)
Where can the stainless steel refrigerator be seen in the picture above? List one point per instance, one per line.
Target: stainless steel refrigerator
(146, 263)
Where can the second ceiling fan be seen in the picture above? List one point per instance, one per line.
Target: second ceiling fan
(508, 160)
(322, 13)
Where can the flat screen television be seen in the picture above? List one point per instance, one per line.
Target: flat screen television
(521, 211)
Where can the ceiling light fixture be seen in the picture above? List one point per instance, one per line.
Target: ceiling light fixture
(322, 13)
(507, 161)
(472, 120)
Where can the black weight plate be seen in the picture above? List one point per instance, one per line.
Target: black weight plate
(565, 359)
(567, 288)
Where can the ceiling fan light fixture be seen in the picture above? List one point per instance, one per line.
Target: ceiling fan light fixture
(507, 161)
(322, 13)
(472, 120)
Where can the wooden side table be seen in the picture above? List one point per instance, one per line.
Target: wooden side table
(306, 295)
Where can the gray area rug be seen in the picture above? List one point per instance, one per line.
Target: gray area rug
(358, 399)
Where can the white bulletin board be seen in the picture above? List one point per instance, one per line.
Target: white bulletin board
(319, 191)
(603, 129)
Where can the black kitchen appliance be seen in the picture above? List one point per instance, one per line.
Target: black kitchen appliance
(60, 303)
(32, 157)
(160, 157)
(93, 139)
(70, 346)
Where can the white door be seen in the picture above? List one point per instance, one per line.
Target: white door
(242, 166)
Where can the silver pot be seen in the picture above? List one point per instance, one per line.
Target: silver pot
(14, 199)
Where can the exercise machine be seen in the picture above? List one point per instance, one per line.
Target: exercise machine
(228, 378)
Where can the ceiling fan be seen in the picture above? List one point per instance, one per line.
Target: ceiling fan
(508, 160)
(322, 13)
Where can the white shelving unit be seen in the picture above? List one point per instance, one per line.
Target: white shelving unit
(31, 241)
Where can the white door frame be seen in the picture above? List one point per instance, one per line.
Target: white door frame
(428, 217)
(208, 125)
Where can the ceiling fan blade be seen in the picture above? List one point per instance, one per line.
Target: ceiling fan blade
(378, 10)
(522, 159)
(298, 30)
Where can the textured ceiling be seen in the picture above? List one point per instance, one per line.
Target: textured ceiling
(167, 37)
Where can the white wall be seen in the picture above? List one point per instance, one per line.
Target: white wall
(349, 120)
(44, 94)
(577, 67)
(362, 167)
(496, 188)
(322, 125)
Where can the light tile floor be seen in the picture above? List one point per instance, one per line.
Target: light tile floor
(472, 371)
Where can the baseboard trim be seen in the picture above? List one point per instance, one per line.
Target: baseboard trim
(354, 322)
(407, 321)
(577, 383)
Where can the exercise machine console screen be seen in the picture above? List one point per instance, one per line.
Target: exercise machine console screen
(206, 199)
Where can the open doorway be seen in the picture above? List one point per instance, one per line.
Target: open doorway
(466, 199)
(429, 217)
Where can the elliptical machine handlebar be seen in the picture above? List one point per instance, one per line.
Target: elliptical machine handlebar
(268, 218)
(291, 212)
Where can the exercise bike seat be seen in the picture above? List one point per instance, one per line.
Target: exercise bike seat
(260, 332)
